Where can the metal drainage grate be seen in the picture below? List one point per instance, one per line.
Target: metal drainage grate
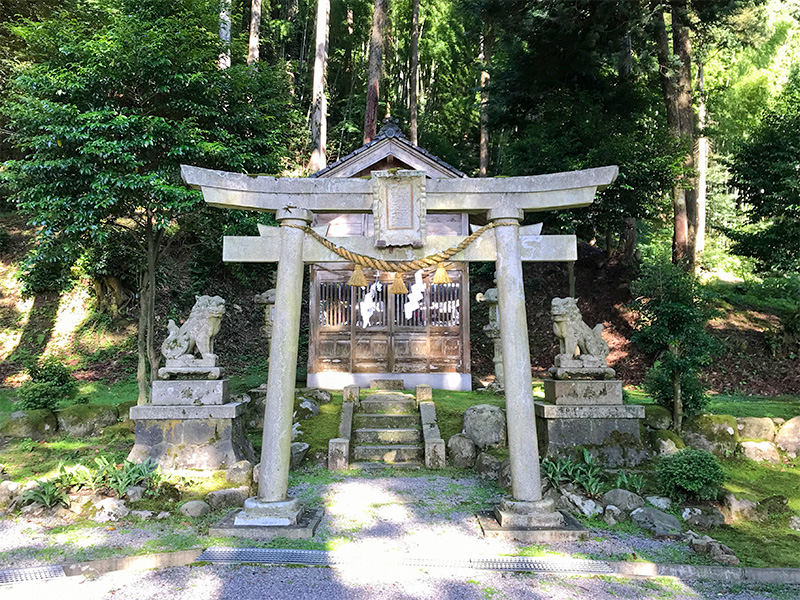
(8, 576)
(274, 556)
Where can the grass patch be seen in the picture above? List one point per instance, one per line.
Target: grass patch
(323, 427)
(771, 543)
(450, 407)
(783, 407)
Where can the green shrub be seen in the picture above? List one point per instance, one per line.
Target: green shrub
(658, 384)
(51, 369)
(690, 474)
(50, 382)
(34, 395)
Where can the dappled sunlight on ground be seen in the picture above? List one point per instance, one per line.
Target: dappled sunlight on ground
(71, 313)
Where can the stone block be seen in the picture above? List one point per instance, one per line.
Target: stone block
(485, 424)
(262, 513)
(346, 423)
(190, 392)
(207, 444)
(627, 411)
(209, 411)
(462, 451)
(612, 432)
(204, 372)
(227, 498)
(35, 424)
(788, 438)
(761, 452)
(350, 393)
(514, 514)
(756, 428)
(338, 454)
(435, 453)
(718, 434)
(80, 420)
(386, 384)
(582, 392)
(424, 393)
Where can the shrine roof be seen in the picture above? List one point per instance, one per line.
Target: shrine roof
(390, 141)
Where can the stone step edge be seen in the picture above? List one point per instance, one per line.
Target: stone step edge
(393, 429)
(392, 446)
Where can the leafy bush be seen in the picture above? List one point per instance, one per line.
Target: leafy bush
(51, 369)
(690, 474)
(33, 395)
(658, 384)
(50, 383)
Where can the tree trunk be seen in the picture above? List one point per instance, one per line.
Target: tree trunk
(375, 66)
(255, 28)
(225, 34)
(702, 166)
(153, 244)
(677, 400)
(485, 59)
(669, 89)
(682, 47)
(319, 128)
(142, 380)
(629, 240)
(412, 86)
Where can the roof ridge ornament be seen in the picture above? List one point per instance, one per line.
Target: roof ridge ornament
(390, 129)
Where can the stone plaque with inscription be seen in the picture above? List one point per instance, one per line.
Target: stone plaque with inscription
(399, 208)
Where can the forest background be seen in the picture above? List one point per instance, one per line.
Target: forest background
(697, 102)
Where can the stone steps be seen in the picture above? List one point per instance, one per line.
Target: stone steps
(376, 466)
(387, 431)
(389, 453)
(384, 421)
(389, 404)
(394, 435)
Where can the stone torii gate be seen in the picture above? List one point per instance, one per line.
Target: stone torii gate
(400, 202)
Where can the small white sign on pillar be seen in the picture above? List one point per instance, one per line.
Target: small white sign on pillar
(399, 208)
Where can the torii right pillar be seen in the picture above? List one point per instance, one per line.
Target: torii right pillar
(525, 508)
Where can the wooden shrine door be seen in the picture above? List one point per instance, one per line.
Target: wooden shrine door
(433, 340)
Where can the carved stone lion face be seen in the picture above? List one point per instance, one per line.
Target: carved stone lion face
(212, 306)
(562, 309)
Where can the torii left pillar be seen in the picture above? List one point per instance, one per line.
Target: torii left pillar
(272, 506)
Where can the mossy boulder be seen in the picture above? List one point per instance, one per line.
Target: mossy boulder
(788, 438)
(718, 434)
(756, 428)
(665, 442)
(35, 424)
(657, 417)
(81, 420)
(124, 408)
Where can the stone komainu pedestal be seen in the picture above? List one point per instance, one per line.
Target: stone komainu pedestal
(583, 402)
(183, 435)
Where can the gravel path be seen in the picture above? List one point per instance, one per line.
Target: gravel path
(423, 516)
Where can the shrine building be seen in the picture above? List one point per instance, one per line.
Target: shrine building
(430, 345)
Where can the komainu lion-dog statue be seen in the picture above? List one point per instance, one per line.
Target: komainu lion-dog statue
(197, 333)
(576, 339)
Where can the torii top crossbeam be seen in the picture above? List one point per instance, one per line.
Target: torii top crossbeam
(555, 191)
